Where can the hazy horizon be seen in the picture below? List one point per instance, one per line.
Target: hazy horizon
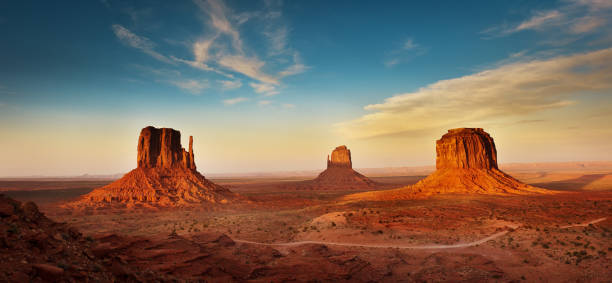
(266, 86)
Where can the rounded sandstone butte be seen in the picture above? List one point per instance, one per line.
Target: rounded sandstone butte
(466, 148)
(161, 148)
(340, 157)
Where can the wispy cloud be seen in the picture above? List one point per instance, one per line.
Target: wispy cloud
(570, 19)
(265, 89)
(139, 42)
(404, 53)
(409, 44)
(251, 67)
(504, 91)
(236, 100)
(191, 86)
(223, 49)
(230, 85)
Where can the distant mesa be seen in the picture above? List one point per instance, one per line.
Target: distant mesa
(166, 176)
(466, 163)
(339, 174)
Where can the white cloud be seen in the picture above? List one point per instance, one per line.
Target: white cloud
(191, 86)
(264, 102)
(229, 85)
(504, 91)
(138, 42)
(233, 101)
(265, 89)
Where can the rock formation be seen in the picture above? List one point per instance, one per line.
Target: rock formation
(165, 176)
(340, 158)
(466, 163)
(33, 248)
(339, 174)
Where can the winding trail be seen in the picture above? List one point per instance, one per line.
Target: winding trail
(586, 223)
(416, 247)
(419, 247)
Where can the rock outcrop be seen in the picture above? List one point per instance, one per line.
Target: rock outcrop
(33, 248)
(466, 148)
(161, 148)
(340, 158)
(165, 176)
(466, 163)
(339, 174)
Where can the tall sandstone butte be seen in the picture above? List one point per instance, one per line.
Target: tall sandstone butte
(165, 176)
(466, 163)
(340, 174)
(340, 158)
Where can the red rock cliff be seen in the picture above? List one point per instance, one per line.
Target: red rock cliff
(161, 148)
(465, 148)
(340, 157)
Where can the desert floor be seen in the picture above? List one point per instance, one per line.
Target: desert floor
(283, 234)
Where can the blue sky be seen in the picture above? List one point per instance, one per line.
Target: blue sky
(275, 85)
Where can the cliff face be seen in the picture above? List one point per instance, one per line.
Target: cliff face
(166, 176)
(340, 158)
(161, 148)
(466, 148)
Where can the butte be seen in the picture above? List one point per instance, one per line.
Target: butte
(339, 174)
(466, 163)
(165, 176)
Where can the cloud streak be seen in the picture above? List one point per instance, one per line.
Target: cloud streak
(191, 86)
(233, 101)
(574, 18)
(505, 91)
(139, 42)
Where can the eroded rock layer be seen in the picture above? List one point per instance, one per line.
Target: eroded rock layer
(466, 163)
(340, 158)
(166, 176)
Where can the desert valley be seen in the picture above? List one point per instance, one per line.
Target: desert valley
(164, 221)
(306, 141)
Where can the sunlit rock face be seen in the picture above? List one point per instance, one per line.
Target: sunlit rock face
(166, 176)
(340, 158)
(161, 148)
(465, 148)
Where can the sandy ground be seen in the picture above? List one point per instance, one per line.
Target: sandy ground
(310, 235)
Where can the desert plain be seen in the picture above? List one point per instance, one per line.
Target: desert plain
(282, 231)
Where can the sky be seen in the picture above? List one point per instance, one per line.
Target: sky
(276, 85)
